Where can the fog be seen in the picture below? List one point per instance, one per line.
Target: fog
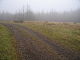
(40, 10)
(39, 5)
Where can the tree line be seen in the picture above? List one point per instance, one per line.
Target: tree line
(72, 16)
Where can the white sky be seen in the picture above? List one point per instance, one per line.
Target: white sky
(39, 5)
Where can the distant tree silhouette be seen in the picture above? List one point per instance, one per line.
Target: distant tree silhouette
(29, 15)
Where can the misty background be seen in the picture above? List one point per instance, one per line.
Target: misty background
(40, 10)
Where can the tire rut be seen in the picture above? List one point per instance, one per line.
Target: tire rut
(25, 48)
(32, 55)
(68, 54)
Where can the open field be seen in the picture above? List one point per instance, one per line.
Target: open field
(45, 40)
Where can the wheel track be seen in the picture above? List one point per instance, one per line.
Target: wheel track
(69, 55)
(27, 50)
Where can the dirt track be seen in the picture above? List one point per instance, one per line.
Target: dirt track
(28, 51)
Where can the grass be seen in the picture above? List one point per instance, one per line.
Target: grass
(40, 45)
(7, 49)
(66, 34)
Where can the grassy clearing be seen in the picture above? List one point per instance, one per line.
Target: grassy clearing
(66, 34)
(7, 49)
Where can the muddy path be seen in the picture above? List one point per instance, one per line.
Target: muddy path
(28, 51)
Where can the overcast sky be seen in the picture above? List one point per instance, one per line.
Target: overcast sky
(39, 5)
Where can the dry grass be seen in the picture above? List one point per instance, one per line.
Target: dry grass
(66, 34)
